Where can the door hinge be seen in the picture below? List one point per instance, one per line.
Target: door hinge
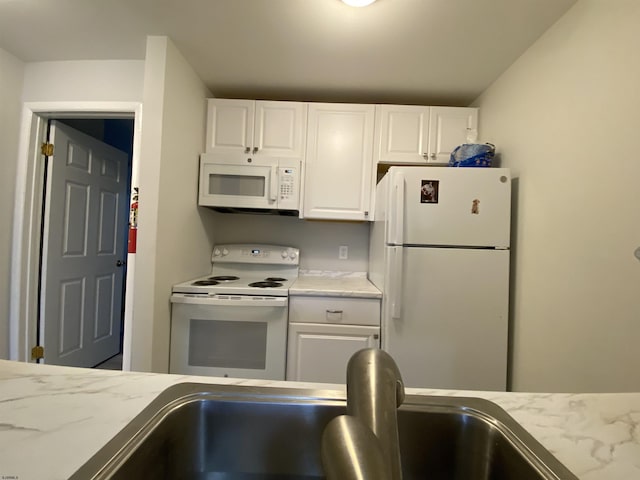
(47, 149)
(37, 352)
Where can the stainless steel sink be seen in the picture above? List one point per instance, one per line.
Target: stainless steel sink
(212, 432)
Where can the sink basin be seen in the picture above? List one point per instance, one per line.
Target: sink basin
(212, 432)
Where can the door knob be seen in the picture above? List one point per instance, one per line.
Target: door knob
(120, 263)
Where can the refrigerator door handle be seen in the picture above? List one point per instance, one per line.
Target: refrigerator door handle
(396, 282)
(396, 213)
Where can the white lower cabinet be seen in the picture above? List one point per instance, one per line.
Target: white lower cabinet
(324, 332)
(320, 352)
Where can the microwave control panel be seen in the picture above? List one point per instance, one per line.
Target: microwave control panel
(288, 190)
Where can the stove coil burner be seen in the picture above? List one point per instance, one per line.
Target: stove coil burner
(205, 283)
(265, 284)
(275, 279)
(224, 278)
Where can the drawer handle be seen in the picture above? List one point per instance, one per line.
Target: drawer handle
(334, 311)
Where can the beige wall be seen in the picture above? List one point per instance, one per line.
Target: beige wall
(11, 78)
(84, 80)
(60, 85)
(318, 241)
(175, 237)
(565, 118)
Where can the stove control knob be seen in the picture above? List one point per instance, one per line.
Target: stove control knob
(225, 252)
(216, 252)
(285, 254)
(293, 255)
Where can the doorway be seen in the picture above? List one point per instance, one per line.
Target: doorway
(84, 241)
(28, 218)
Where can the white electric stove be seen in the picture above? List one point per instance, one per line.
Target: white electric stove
(233, 322)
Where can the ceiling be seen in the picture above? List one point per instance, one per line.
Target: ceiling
(437, 52)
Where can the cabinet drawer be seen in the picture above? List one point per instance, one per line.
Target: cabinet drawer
(334, 310)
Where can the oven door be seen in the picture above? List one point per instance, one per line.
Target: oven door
(229, 336)
(238, 181)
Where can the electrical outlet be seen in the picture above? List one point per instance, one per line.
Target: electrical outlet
(343, 252)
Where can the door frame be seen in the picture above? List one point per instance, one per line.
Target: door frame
(27, 219)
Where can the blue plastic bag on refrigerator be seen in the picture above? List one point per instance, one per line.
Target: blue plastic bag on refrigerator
(472, 155)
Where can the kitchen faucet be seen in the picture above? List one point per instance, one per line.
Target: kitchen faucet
(364, 444)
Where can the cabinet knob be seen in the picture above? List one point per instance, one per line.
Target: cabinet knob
(255, 149)
(376, 336)
(247, 150)
(432, 156)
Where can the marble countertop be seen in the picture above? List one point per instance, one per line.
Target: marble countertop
(53, 419)
(338, 284)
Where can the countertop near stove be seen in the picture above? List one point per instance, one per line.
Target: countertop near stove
(337, 284)
(53, 419)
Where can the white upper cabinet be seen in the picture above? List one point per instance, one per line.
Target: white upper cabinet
(256, 127)
(449, 128)
(409, 134)
(338, 177)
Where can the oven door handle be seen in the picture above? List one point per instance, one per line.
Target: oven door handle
(246, 301)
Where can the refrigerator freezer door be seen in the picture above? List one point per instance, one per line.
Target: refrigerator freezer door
(449, 206)
(446, 339)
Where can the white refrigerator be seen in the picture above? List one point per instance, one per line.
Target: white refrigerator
(439, 252)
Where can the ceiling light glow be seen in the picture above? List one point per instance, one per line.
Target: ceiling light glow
(358, 3)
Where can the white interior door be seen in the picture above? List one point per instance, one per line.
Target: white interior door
(84, 240)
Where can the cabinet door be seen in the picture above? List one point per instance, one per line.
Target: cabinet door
(338, 170)
(280, 129)
(229, 125)
(319, 353)
(449, 127)
(402, 134)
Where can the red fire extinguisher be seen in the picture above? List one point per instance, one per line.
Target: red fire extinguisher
(133, 221)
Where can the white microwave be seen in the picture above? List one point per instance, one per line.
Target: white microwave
(231, 182)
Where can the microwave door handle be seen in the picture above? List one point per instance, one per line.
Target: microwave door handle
(273, 184)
